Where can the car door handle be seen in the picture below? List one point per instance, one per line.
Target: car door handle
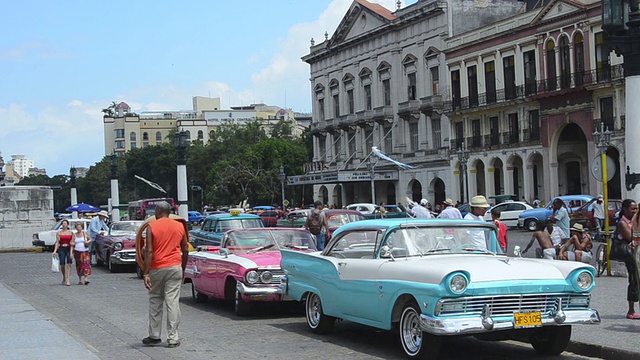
(342, 264)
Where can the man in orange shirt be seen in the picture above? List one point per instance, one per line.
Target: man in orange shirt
(165, 258)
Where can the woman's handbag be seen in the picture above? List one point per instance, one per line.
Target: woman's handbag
(619, 249)
(55, 263)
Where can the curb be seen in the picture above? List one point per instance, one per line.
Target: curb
(600, 351)
(17, 250)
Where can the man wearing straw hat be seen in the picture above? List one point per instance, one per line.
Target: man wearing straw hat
(97, 226)
(479, 206)
(450, 211)
(582, 246)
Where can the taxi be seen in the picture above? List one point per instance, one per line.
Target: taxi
(214, 227)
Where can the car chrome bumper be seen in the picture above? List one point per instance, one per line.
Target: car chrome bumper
(38, 243)
(485, 323)
(263, 293)
(123, 258)
(520, 222)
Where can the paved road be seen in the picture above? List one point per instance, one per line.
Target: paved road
(109, 318)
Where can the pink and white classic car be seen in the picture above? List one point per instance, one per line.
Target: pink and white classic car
(245, 267)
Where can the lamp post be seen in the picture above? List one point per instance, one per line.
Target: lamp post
(74, 192)
(115, 193)
(602, 140)
(283, 178)
(372, 175)
(463, 156)
(624, 39)
(180, 140)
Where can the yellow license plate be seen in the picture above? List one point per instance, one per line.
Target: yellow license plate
(527, 319)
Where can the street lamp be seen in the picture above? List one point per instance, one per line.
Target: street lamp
(372, 175)
(115, 193)
(74, 192)
(180, 141)
(602, 140)
(283, 178)
(463, 156)
(621, 22)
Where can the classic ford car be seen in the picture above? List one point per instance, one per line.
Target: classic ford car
(47, 238)
(246, 267)
(431, 278)
(117, 248)
(214, 226)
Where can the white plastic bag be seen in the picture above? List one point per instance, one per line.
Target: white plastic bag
(55, 263)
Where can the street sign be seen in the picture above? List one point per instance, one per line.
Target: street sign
(596, 168)
(286, 202)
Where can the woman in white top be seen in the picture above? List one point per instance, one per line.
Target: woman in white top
(81, 253)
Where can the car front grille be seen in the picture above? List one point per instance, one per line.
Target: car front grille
(508, 304)
(277, 274)
(127, 254)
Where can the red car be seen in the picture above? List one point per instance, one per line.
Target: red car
(584, 214)
(270, 217)
(117, 249)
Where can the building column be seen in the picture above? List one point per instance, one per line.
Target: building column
(489, 182)
(471, 178)
(457, 176)
(527, 181)
(508, 181)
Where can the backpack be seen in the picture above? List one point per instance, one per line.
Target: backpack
(315, 223)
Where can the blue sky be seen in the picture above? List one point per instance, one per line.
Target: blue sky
(64, 61)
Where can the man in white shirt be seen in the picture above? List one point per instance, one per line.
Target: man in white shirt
(478, 205)
(598, 212)
(420, 211)
(450, 212)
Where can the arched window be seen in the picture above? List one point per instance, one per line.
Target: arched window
(211, 132)
(158, 138)
(132, 140)
(200, 135)
(145, 136)
(565, 63)
(188, 135)
(578, 59)
(551, 65)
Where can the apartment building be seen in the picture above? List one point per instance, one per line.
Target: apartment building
(378, 81)
(526, 95)
(125, 130)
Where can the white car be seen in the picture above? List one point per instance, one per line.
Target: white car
(509, 212)
(47, 238)
(363, 208)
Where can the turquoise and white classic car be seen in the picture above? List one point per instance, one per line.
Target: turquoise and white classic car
(430, 278)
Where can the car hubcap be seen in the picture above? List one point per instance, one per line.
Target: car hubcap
(411, 332)
(313, 310)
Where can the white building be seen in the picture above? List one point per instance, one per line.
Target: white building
(21, 165)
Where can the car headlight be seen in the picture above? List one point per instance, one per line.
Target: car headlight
(458, 284)
(266, 277)
(252, 277)
(584, 280)
(117, 246)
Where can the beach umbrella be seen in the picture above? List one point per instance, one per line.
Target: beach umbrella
(83, 208)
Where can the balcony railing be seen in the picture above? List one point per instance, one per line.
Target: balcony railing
(561, 82)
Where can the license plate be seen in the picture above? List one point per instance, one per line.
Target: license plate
(527, 319)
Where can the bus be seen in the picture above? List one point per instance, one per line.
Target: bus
(142, 209)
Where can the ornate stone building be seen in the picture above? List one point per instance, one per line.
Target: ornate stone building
(379, 81)
(526, 95)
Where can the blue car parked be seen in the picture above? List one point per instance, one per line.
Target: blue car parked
(195, 218)
(530, 219)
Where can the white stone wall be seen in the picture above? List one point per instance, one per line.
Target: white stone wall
(24, 210)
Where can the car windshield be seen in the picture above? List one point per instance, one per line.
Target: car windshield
(230, 224)
(420, 241)
(268, 240)
(337, 220)
(121, 228)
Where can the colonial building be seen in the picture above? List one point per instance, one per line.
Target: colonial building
(526, 95)
(124, 130)
(378, 81)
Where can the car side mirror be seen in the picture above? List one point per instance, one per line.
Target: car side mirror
(385, 252)
(224, 252)
(517, 252)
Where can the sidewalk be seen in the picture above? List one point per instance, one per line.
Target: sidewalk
(27, 334)
(616, 337)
